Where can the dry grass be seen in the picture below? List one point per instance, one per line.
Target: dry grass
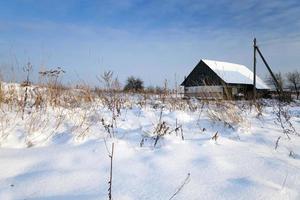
(1, 94)
(226, 112)
(80, 105)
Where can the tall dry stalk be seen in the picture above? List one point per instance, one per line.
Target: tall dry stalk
(27, 69)
(54, 87)
(283, 118)
(111, 96)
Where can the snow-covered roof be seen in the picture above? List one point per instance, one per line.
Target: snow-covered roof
(234, 73)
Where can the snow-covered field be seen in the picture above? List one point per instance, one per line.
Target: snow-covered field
(62, 153)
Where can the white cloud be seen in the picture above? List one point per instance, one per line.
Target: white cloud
(160, 51)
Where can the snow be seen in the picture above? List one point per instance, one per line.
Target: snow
(62, 164)
(234, 73)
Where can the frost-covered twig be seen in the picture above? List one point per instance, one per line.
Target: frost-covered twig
(215, 137)
(284, 182)
(186, 180)
(283, 118)
(277, 142)
(177, 129)
(111, 156)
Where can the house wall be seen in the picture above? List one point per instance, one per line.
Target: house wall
(204, 92)
(219, 92)
(199, 89)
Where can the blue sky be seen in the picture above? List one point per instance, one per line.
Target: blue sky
(153, 40)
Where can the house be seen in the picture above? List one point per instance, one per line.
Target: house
(217, 80)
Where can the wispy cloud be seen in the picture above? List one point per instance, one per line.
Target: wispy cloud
(143, 37)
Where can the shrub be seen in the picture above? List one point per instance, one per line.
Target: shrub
(134, 84)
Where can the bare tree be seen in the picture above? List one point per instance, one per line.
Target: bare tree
(270, 81)
(293, 79)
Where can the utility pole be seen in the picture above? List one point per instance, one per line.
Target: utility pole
(254, 70)
(277, 85)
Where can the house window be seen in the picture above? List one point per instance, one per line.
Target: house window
(234, 91)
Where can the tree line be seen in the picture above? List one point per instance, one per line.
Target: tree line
(290, 80)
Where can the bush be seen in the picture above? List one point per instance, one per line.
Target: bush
(134, 84)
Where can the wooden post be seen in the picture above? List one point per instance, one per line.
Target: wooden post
(254, 70)
(278, 86)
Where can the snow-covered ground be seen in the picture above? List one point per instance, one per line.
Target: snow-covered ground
(62, 153)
